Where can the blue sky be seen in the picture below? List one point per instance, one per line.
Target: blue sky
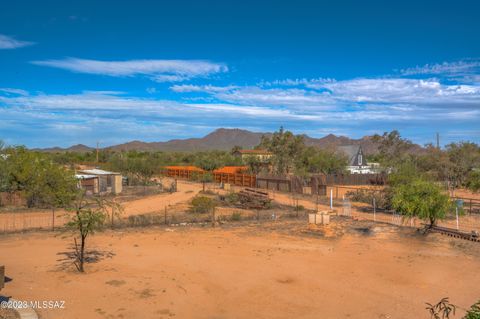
(115, 71)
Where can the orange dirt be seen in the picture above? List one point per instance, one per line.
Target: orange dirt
(28, 219)
(266, 271)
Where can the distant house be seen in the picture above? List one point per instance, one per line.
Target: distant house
(97, 181)
(262, 155)
(357, 163)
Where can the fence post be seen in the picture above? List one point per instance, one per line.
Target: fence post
(165, 214)
(112, 216)
(213, 217)
(331, 198)
(53, 219)
(374, 210)
(456, 213)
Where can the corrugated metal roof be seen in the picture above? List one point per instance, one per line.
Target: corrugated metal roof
(97, 171)
(263, 152)
(85, 176)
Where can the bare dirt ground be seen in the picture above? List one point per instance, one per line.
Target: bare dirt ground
(186, 191)
(30, 219)
(271, 270)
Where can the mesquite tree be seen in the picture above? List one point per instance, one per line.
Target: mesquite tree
(422, 199)
(89, 217)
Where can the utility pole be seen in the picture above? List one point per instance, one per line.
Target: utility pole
(97, 152)
(438, 141)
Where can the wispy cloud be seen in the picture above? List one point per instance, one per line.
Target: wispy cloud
(446, 68)
(331, 94)
(134, 115)
(202, 88)
(411, 91)
(12, 91)
(294, 98)
(295, 82)
(157, 70)
(7, 42)
(317, 106)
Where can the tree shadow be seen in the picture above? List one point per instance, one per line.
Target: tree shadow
(3, 297)
(69, 257)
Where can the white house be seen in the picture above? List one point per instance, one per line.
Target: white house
(357, 163)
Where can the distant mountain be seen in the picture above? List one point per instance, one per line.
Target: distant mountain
(332, 141)
(225, 139)
(220, 139)
(79, 148)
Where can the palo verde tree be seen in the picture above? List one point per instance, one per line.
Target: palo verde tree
(255, 165)
(320, 161)
(89, 217)
(4, 171)
(202, 177)
(423, 199)
(144, 169)
(464, 158)
(42, 182)
(473, 181)
(286, 148)
(59, 190)
(392, 148)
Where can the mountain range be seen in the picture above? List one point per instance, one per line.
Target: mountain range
(222, 139)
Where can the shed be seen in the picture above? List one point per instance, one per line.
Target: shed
(108, 182)
(88, 182)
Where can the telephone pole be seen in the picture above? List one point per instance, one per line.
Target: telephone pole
(438, 141)
(97, 152)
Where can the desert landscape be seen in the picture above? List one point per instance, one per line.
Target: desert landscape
(267, 270)
(239, 159)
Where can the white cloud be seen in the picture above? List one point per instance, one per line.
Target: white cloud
(7, 42)
(292, 97)
(151, 90)
(307, 105)
(157, 70)
(328, 95)
(295, 82)
(201, 88)
(11, 91)
(396, 91)
(445, 68)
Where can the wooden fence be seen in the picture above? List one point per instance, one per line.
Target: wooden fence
(470, 205)
(245, 180)
(351, 179)
(317, 184)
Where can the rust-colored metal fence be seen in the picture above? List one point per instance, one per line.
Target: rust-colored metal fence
(192, 173)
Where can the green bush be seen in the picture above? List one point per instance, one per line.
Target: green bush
(236, 217)
(473, 312)
(203, 204)
(232, 198)
(382, 198)
(422, 199)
